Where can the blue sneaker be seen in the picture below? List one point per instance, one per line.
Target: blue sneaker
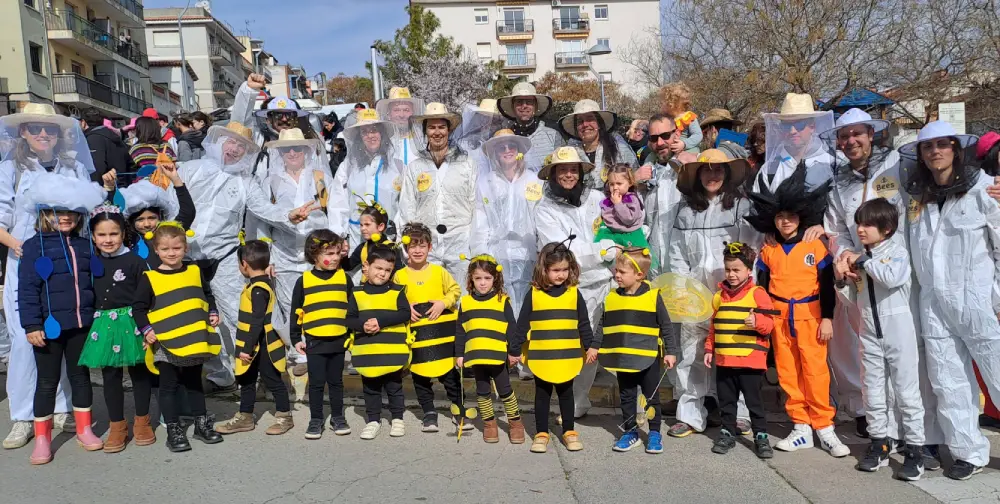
(626, 442)
(655, 442)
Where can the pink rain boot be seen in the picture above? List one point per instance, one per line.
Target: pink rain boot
(84, 435)
(42, 453)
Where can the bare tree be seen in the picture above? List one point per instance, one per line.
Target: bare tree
(446, 78)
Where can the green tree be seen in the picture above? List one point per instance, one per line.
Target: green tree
(414, 43)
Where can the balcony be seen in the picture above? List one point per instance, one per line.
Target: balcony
(570, 27)
(90, 40)
(523, 29)
(220, 88)
(568, 60)
(130, 7)
(76, 89)
(217, 54)
(518, 62)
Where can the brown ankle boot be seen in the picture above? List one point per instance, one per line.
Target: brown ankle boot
(491, 434)
(142, 431)
(282, 424)
(516, 432)
(117, 437)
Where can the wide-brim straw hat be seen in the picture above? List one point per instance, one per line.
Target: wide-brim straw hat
(506, 136)
(524, 89)
(568, 122)
(366, 117)
(292, 137)
(281, 104)
(932, 131)
(853, 117)
(40, 113)
(236, 131)
(397, 94)
(565, 155)
(487, 106)
(798, 106)
(736, 170)
(719, 115)
(437, 110)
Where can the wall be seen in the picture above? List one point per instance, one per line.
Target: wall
(19, 26)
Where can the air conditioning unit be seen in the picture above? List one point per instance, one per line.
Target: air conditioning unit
(556, 3)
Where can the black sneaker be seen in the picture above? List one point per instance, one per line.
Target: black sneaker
(204, 431)
(913, 464)
(339, 426)
(861, 426)
(962, 470)
(876, 457)
(177, 440)
(932, 458)
(724, 442)
(315, 428)
(430, 423)
(762, 446)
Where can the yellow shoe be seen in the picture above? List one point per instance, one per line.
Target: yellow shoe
(541, 443)
(572, 441)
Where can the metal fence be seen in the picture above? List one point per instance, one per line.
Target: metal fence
(73, 83)
(88, 33)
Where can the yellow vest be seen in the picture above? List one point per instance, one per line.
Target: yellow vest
(631, 333)
(273, 343)
(179, 316)
(554, 352)
(485, 330)
(434, 341)
(324, 305)
(732, 337)
(386, 351)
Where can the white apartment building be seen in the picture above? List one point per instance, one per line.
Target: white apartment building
(211, 49)
(533, 37)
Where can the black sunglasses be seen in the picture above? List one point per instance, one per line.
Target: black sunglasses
(294, 148)
(36, 128)
(662, 136)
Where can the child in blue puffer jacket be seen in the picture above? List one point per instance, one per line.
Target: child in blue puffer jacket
(56, 307)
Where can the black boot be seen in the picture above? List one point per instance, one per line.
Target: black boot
(204, 431)
(177, 440)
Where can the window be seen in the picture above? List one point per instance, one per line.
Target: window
(35, 51)
(601, 12)
(606, 77)
(483, 51)
(59, 64)
(513, 20)
(166, 39)
(76, 67)
(569, 17)
(482, 16)
(30, 3)
(517, 55)
(604, 41)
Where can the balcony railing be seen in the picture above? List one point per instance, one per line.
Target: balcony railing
(215, 51)
(73, 83)
(571, 59)
(223, 87)
(570, 25)
(518, 61)
(90, 34)
(130, 6)
(518, 27)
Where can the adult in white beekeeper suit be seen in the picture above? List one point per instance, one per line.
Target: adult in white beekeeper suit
(569, 207)
(371, 172)
(439, 190)
(710, 216)
(397, 108)
(525, 108)
(657, 179)
(593, 130)
(479, 124)
(297, 185)
(865, 171)
(954, 229)
(38, 140)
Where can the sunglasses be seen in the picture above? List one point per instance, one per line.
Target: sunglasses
(507, 147)
(798, 125)
(294, 148)
(36, 128)
(662, 136)
(370, 132)
(283, 117)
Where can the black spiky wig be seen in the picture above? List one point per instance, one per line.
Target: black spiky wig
(793, 196)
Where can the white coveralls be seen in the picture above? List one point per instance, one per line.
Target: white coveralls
(544, 140)
(555, 220)
(378, 179)
(662, 202)
(956, 254)
(696, 246)
(21, 370)
(850, 190)
(445, 195)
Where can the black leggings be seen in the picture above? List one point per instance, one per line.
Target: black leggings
(328, 370)
(543, 396)
(425, 394)
(629, 385)
(172, 378)
(114, 392)
(49, 361)
(392, 383)
(499, 375)
(261, 365)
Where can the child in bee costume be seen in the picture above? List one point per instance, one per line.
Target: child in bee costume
(485, 322)
(259, 350)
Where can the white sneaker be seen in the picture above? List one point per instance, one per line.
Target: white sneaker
(398, 428)
(64, 422)
(800, 437)
(371, 430)
(829, 441)
(20, 434)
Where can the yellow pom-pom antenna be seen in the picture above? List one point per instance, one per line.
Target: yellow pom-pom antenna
(148, 235)
(376, 237)
(462, 256)
(406, 240)
(645, 251)
(604, 253)
(189, 233)
(499, 267)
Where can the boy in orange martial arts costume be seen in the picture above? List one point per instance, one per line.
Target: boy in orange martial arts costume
(799, 277)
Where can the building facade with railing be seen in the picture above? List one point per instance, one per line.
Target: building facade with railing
(533, 37)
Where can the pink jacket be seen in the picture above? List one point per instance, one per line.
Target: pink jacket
(624, 217)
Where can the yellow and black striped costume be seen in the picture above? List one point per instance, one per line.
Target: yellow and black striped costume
(554, 352)
(179, 316)
(388, 350)
(434, 340)
(324, 305)
(631, 332)
(486, 331)
(273, 344)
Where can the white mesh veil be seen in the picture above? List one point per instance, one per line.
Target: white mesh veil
(30, 139)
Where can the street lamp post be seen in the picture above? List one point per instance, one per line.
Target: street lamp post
(600, 49)
(180, 37)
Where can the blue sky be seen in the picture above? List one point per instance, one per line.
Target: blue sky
(329, 36)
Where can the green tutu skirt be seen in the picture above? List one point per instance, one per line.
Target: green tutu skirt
(631, 239)
(113, 341)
